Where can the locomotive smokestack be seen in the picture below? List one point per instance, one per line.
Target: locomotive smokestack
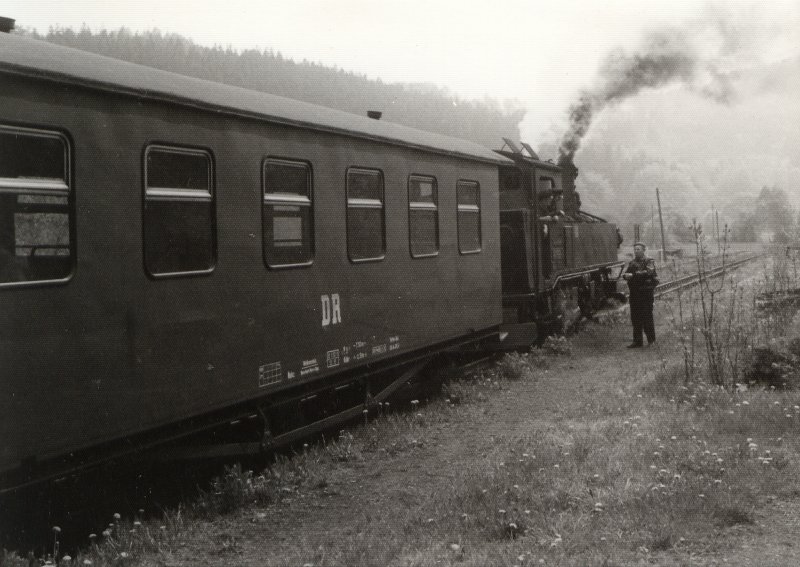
(568, 174)
(6, 24)
(374, 114)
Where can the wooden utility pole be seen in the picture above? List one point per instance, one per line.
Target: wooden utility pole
(661, 222)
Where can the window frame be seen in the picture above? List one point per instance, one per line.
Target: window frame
(14, 186)
(423, 206)
(359, 203)
(288, 199)
(166, 194)
(469, 209)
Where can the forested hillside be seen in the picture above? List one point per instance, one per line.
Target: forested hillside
(427, 107)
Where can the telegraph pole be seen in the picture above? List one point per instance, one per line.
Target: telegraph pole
(661, 222)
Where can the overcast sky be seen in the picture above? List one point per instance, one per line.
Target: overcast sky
(716, 134)
(539, 53)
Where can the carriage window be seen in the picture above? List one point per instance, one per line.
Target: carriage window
(469, 217)
(35, 207)
(366, 239)
(178, 212)
(287, 214)
(423, 216)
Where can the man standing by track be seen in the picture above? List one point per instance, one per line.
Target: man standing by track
(641, 277)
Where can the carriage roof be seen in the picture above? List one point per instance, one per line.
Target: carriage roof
(28, 57)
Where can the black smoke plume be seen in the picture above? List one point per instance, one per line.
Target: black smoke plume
(667, 56)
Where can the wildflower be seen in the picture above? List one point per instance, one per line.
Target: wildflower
(124, 555)
(501, 511)
(106, 533)
(527, 511)
(137, 524)
(555, 466)
(87, 562)
(745, 403)
(66, 559)
(674, 438)
(701, 495)
(455, 547)
(117, 516)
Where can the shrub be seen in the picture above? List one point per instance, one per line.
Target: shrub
(559, 346)
(514, 366)
(774, 367)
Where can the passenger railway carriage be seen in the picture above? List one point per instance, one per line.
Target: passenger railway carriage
(180, 258)
(175, 251)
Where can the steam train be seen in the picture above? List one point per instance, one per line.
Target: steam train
(180, 257)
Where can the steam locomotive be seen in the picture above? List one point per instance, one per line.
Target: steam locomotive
(180, 257)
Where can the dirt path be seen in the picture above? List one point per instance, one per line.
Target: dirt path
(572, 386)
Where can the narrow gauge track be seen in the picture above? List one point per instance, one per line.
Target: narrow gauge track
(693, 279)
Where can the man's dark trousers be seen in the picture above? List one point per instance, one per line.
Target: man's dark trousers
(641, 302)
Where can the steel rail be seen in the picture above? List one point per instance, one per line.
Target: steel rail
(694, 279)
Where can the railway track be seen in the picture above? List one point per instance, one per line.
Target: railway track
(694, 279)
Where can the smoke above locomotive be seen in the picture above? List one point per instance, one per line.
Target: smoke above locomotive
(703, 57)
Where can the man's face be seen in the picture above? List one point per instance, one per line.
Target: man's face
(638, 251)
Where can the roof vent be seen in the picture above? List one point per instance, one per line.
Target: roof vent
(6, 24)
(374, 114)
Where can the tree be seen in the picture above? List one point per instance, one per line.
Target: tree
(774, 213)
